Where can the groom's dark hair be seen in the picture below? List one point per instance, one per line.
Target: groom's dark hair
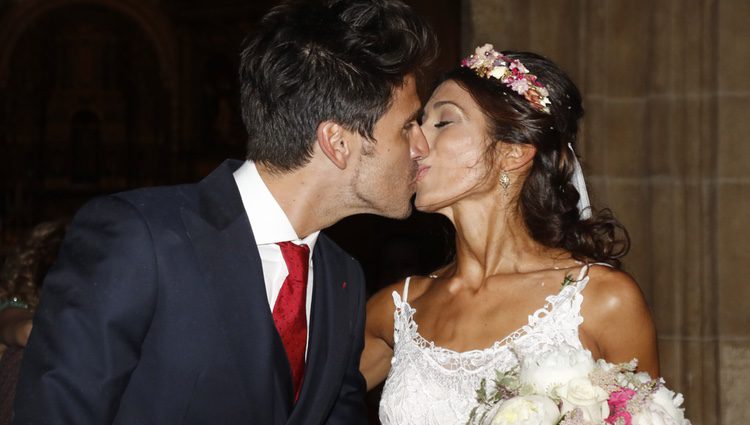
(311, 62)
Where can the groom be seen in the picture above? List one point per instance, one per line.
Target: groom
(220, 302)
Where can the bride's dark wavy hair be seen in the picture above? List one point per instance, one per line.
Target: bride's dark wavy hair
(548, 199)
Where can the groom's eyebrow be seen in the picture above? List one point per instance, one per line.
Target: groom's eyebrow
(421, 115)
(415, 115)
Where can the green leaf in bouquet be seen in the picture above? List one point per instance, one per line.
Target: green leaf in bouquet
(505, 385)
(567, 280)
(472, 416)
(482, 392)
(485, 404)
(526, 389)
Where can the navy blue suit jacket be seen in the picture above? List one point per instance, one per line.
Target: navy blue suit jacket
(156, 313)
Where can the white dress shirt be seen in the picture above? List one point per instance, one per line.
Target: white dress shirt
(271, 225)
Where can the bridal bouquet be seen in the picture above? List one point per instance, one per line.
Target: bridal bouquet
(567, 387)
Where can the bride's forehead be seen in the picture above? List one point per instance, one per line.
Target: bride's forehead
(452, 95)
(450, 92)
(448, 88)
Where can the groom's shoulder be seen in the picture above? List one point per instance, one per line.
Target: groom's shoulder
(160, 199)
(151, 204)
(158, 196)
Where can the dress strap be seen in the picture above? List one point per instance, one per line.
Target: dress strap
(584, 272)
(586, 267)
(406, 289)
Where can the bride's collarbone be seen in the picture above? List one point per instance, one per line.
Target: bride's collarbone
(462, 326)
(518, 290)
(470, 320)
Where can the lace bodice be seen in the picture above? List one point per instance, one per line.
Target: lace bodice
(428, 384)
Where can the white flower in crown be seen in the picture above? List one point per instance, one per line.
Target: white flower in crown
(485, 50)
(498, 72)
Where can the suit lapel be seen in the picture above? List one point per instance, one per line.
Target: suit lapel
(330, 331)
(227, 252)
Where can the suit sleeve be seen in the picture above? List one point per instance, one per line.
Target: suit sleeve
(96, 307)
(350, 405)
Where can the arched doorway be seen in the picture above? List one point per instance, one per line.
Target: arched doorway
(88, 110)
(85, 147)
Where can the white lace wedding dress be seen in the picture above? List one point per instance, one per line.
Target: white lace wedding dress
(428, 384)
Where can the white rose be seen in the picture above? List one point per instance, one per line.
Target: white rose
(663, 409)
(498, 72)
(544, 372)
(526, 410)
(582, 394)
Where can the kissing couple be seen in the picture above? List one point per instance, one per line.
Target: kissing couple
(221, 302)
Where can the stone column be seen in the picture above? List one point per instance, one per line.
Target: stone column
(731, 70)
(667, 96)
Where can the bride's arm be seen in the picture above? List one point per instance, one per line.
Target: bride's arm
(376, 357)
(618, 320)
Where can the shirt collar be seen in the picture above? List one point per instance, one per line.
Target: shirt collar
(268, 221)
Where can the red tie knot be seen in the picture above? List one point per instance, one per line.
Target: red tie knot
(296, 256)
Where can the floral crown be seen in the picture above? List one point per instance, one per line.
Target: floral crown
(487, 62)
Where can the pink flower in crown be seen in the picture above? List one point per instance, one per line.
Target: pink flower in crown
(517, 65)
(618, 407)
(520, 86)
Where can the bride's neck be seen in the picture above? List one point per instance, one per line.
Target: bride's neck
(492, 239)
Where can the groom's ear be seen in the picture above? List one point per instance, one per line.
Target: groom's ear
(333, 141)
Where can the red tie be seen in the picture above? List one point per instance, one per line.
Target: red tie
(289, 310)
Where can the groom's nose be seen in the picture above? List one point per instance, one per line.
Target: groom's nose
(419, 148)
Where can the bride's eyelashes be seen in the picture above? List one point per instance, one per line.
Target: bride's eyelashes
(440, 124)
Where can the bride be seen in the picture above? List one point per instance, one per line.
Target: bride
(535, 266)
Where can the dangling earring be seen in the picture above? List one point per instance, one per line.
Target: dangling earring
(504, 181)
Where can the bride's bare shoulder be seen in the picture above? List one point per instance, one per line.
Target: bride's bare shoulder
(383, 299)
(613, 298)
(618, 319)
(381, 306)
(613, 290)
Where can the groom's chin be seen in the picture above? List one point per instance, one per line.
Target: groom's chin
(400, 210)
(401, 214)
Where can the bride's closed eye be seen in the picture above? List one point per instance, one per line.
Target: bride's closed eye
(440, 124)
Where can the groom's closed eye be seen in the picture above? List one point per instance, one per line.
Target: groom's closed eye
(412, 121)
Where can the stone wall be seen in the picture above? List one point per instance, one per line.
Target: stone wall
(667, 96)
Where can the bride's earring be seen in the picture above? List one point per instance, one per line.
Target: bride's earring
(504, 181)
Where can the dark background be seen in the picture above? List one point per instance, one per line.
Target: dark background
(101, 96)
